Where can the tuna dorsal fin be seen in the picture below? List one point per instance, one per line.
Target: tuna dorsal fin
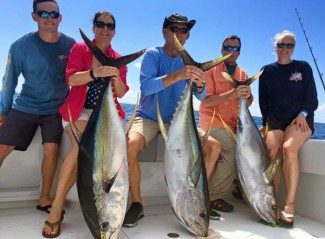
(162, 127)
(75, 131)
(109, 61)
(130, 122)
(207, 133)
(272, 169)
(228, 129)
(188, 60)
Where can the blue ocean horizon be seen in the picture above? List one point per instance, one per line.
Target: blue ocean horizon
(318, 134)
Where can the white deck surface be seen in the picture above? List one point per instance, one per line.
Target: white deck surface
(27, 222)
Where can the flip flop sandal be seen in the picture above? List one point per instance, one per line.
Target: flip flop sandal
(52, 225)
(46, 208)
(283, 221)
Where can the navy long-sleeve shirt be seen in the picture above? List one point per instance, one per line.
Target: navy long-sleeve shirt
(285, 90)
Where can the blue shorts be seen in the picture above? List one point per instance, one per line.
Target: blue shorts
(19, 129)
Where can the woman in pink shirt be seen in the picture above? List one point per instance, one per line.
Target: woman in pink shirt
(86, 77)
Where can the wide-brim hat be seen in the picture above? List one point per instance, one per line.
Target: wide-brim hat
(178, 18)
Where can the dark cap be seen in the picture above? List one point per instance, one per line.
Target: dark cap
(178, 18)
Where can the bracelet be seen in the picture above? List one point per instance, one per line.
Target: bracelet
(91, 73)
(303, 114)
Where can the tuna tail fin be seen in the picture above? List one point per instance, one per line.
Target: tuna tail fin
(162, 127)
(130, 122)
(210, 64)
(253, 78)
(235, 83)
(230, 79)
(273, 168)
(75, 131)
(188, 60)
(228, 129)
(207, 133)
(109, 61)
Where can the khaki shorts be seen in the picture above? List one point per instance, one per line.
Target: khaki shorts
(147, 128)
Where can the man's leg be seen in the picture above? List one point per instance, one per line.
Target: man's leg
(221, 181)
(135, 143)
(48, 169)
(211, 152)
(140, 134)
(5, 150)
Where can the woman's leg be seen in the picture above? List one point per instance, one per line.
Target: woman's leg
(274, 143)
(68, 176)
(293, 141)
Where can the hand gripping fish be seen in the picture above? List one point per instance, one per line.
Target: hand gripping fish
(255, 171)
(183, 160)
(103, 181)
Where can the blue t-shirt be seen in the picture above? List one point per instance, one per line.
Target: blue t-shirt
(42, 65)
(155, 65)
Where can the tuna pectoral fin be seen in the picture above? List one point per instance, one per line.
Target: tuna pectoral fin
(76, 133)
(196, 172)
(162, 127)
(130, 122)
(107, 184)
(229, 130)
(273, 167)
(207, 133)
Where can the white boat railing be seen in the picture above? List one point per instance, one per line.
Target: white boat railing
(20, 177)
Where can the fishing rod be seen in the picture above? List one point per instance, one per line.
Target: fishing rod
(311, 49)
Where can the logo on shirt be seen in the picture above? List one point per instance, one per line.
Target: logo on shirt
(62, 57)
(297, 76)
(5, 79)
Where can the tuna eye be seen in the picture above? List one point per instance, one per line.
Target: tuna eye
(202, 214)
(104, 226)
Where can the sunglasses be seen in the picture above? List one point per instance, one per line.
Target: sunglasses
(100, 24)
(179, 30)
(287, 45)
(45, 14)
(231, 48)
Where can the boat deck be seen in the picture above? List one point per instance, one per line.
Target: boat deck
(26, 222)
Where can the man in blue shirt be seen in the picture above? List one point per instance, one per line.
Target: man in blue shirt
(41, 58)
(163, 74)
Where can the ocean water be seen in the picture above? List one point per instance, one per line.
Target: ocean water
(318, 134)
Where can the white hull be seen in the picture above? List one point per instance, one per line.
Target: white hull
(20, 183)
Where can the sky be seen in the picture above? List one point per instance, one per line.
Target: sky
(139, 25)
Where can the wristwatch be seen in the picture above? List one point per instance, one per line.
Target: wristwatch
(91, 73)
